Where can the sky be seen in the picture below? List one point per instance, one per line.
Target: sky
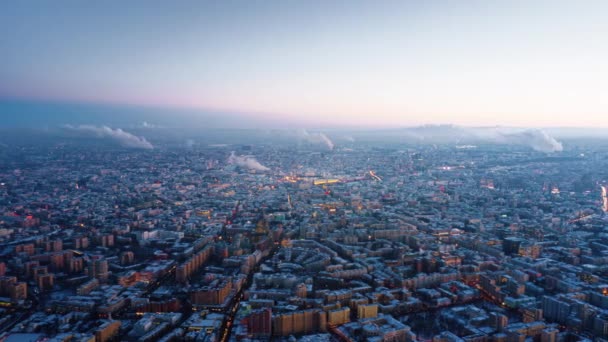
(315, 62)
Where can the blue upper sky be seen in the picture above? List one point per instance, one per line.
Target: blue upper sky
(311, 63)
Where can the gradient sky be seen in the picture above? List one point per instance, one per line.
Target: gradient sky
(380, 63)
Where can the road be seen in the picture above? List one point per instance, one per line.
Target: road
(236, 301)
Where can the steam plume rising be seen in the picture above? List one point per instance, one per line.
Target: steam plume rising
(248, 162)
(537, 139)
(315, 138)
(146, 124)
(123, 138)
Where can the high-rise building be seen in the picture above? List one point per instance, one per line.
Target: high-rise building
(106, 240)
(107, 331)
(499, 321)
(126, 258)
(87, 287)
(338, 316)
(18, 291)
(39, 271)
(367, 311)
(5, 282)
(28, 249)
(29, 268)
(76, 265)
(259, 323)
(98, 269)
(54, 246)
(46, 281)
(549, 335)
(81, 242)
(57, 261)
(299, 322)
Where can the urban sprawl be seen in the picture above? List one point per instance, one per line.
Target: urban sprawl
(257, 243)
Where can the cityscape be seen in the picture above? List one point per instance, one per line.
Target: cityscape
(361, 241)
(303, 171)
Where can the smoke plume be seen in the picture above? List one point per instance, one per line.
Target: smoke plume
(537, 139)
(248, 162)
(315, 138)
(146, 124)
(123, 138)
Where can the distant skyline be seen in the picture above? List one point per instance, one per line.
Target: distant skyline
(309, 63)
